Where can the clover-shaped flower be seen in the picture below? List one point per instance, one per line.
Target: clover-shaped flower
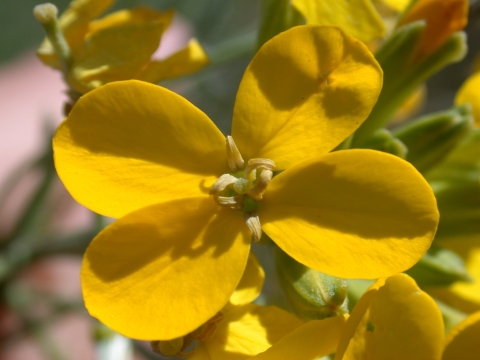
(188, 199)
(118, 46)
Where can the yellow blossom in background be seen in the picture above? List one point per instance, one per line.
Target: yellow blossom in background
(311, 341)
(393, 320)
(397, 5)
(118, 46)
(470, 93)
(243, 329)
(461, 343)
(443, 18)
(188, 202)
(356, 17)
(464, 296)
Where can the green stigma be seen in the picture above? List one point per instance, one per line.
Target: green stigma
(249, 204)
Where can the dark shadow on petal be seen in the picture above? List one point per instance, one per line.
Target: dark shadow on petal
(142, 237)
(284, 84)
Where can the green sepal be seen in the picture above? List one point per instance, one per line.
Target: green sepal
(439, 267)
(402, 76)
(451, 316)
(431, 138)
(456, 184)
(277, 16)
(312, 294)
(383, 140)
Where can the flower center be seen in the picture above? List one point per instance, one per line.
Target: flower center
(244, 187)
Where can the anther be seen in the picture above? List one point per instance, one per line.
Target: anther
(253, 223)
(235, 160)
(258, 163)
(221, 183)
(234, 202)
(261, 184)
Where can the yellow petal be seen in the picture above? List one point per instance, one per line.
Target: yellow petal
(351, 214)
(162, 271)
(468, 93)
(443, 17)
(74, 25)
(246, 331)
(116, 53)
(401, 322)
(130, 144)
(308, 342)
(464, 296)
(304, 92)
(356, 17)
(461, 342)
(140, 15)
(398, 5)
(251, 284)
(188, 60)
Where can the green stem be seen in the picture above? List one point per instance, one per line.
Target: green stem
(46, 14)
(27, 223)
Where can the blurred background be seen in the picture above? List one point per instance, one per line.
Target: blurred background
(43, 232)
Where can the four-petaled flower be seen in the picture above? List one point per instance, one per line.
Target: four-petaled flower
(146, 155)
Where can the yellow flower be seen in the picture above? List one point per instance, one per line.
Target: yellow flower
(397, 5)
(468, 93)
(239, 330)
(461, 343)
(142, 153)
(356, 17)
(118, 47)
(393, 320)
(464, 296)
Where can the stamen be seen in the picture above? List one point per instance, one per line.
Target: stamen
(261, 184)
(253, 223)
(234, 202)
(254, 164)
(235, 160)
(221, 183)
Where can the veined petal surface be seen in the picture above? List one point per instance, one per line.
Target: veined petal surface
(461, 342)
(162, 271)
(351, 214)
(251, 283)
(246, 331)
(357, 17)
(311, 341)
(400, 322)
(304, 92)
(130, 144)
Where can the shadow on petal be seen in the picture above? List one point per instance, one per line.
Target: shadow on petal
(167, 267)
